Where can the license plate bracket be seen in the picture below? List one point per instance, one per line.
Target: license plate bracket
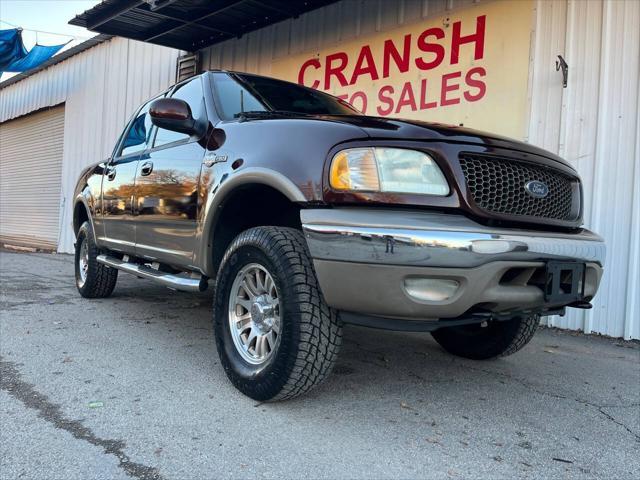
(564, 282)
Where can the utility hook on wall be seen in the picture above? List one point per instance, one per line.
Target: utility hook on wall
(562, 64)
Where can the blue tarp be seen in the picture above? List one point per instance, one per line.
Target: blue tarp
(15, 58)
(11, 47)
(37, 55)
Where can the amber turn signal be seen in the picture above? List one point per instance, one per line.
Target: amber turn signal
(355, 169)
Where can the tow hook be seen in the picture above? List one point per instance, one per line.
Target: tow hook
(581, 304)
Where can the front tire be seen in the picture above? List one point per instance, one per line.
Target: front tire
(276, 336)
(93, 279)
(496, 339)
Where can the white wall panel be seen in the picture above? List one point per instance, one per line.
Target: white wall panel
(119, 76)
(616, 195)
(593, 123)
(546, 83)
(346, 20)
(100, 88)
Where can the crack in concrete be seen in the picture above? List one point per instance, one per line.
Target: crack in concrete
(11, 381)
(532, 388)
(613, 419)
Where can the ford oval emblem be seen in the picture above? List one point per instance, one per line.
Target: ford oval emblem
(537, 189)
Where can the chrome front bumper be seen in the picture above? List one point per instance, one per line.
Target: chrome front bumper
(363, 256)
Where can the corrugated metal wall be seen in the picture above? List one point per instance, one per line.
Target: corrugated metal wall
(594, 123)
(100, 87)
(122, 74)
(338, 22)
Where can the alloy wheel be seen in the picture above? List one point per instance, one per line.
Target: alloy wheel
(254, 314)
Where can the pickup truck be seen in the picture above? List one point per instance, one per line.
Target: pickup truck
(303, 214)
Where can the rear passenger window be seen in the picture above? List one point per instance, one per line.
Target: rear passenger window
(191, 92)
(139, 132)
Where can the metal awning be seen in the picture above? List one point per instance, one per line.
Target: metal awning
(189, 24)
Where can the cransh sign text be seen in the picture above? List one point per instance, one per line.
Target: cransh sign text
(425, 52)
(470, 67)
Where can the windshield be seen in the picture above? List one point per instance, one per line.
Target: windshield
(237, 93)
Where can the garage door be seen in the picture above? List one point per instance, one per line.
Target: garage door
(30, 173)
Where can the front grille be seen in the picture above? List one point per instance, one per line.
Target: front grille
(498, 186)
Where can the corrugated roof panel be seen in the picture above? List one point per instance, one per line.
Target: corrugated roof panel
(157, 24)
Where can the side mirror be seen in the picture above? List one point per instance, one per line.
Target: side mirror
(175, 115)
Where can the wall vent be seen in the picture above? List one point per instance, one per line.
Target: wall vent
(187, 66)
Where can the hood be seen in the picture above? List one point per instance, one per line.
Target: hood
(382, 128)
(400, 129)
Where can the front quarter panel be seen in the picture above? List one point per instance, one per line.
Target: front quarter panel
(296, 148)
(88, 192)
(286, 154)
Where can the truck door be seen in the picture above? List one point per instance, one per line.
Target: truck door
(119, 183)
(167, 180)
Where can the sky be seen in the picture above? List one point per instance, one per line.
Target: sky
(47, 16)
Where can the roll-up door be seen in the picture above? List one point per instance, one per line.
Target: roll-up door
(30, 174)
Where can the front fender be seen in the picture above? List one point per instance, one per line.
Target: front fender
(87, 195)
(230, 181)
(84, 201)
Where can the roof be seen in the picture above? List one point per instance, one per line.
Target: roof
(189, 24)
(81, 47)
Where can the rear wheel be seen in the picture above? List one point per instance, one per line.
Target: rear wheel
(93, 279)
(276, 336)
(495, 339)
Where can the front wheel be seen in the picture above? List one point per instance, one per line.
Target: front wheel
(93, 279)
(494, 339)
(276, 336)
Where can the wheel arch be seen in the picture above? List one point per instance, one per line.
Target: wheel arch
(81, 213)
(228, 210)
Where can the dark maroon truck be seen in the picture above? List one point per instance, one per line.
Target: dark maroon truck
(305, 214)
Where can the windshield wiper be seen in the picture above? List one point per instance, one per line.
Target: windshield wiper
(268, 113)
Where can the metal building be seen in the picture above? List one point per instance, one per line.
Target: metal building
(593, 121)
(93, 89)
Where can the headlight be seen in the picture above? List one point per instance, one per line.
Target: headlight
(394, 170)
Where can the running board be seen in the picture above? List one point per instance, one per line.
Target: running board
(177, 282)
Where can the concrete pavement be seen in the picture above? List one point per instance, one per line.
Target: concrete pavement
(131, 387)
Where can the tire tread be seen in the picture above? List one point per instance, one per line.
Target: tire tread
(319, 326)
(499, 339)
(101, 280)
(526, 329)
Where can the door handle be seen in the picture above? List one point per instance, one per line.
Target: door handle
(111, 173)
(146, 169)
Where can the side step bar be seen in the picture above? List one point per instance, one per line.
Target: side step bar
(177, 282)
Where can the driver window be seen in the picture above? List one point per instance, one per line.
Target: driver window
(139, 132)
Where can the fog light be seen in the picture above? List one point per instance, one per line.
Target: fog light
(431, 289)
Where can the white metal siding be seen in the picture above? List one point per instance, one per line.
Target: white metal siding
(118, 76)
(336, 23)
(593, 123)
(102, 87)
(30, 171)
